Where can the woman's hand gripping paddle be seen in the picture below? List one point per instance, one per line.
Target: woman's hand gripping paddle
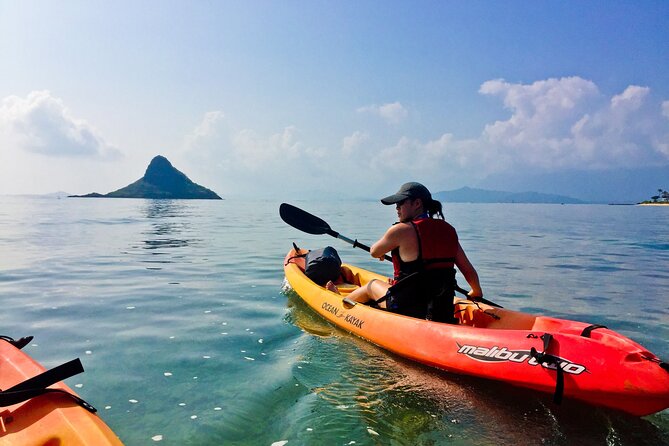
(309, 223)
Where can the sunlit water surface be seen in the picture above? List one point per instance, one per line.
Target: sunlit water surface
(189, 336)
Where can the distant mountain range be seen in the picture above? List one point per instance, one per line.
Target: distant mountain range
(471, 195)
(611, 186)
(161, 180)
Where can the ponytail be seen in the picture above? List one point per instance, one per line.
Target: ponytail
(434, 208)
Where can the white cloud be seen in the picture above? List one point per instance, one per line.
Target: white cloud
(42, 124)
(352, 143)
(248, 160)
(568, 123)
(540, 111)
(630, 99)
(247, 148)
(553, 124)
(444, 161)
(207, 129)
(256, 151)
(392, 113)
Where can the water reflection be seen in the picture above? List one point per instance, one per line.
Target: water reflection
(407, 403)
(169, 219)
(169, 230)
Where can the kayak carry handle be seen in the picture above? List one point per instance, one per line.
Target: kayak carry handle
(349, 303)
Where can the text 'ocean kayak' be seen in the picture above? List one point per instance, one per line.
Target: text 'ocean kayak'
(566, 358)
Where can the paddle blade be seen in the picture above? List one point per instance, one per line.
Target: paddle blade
(303, 220)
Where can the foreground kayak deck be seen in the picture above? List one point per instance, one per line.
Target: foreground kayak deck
(53, 418)
(566, 358)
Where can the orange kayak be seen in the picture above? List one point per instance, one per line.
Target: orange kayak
(568, 359)
(37, 409)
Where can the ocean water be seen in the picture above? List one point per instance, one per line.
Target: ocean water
(189, 336)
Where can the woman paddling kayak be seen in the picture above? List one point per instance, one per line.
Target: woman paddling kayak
(424, 252)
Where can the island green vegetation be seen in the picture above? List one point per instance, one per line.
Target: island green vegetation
(662, 197)
(161, 180)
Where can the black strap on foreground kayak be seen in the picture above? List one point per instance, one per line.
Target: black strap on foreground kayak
(20, 343)
(37, 385)
(547, 358)
(587, 330)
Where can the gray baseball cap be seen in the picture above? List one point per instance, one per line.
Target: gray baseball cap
(409, 190)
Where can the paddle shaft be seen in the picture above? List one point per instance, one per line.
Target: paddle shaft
(355, 243)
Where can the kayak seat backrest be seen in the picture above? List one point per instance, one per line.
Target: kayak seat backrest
(347, 276)
(348, 281)
(465, 313)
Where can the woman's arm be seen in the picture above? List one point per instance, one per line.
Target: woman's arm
(389, 241)
(468, 270)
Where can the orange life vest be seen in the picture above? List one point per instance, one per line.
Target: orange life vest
(437, 247)
(424, 288)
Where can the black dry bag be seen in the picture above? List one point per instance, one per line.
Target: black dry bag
(323, 265)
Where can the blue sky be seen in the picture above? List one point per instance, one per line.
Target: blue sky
(260, 98)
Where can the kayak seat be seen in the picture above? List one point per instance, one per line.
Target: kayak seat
(347, 281)
(347, 276)
(346, 288)
(468, 313)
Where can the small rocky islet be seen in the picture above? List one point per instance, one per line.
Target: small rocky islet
(161, 180)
